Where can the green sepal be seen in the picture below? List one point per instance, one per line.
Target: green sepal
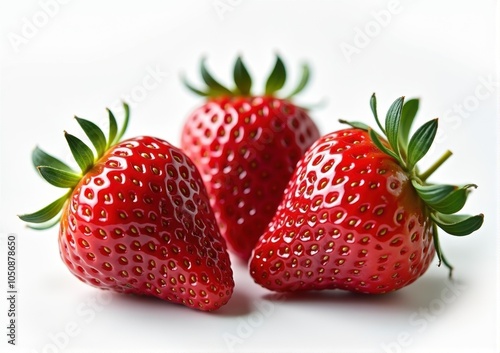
(40, 157)
(454, 201)
(410, 108)
(59, 177)
(124, 127)
(277, 78)
(304, 79)
(392, 124)
(95, 135)
(373, 106)
(45, 225)
(433, 193)
(446, 199)
(215, 88)
(192, 88)
(459, 225)
(83, 155)
(355, 124)
(59, 174)
(376, 140)
(47, 213)
(242, 78)
(243, 81)
(439, 251)
(113, 128)
(421, 142)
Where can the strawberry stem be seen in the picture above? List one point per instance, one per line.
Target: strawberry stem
(425, 175)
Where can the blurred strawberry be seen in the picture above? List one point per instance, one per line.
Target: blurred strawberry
(246, 147)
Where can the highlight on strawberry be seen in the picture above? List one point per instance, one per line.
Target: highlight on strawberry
(135, 218)
(359, 215)
(246, 146)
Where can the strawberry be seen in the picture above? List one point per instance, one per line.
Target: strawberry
(246, 147)
(358, 215)
(136, 219)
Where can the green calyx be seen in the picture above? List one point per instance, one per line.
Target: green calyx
(442, 200)
(61, 175)
(243, 81)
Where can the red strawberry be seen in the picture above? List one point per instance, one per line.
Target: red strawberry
(357, 214)
(137, 219)
(246, 148)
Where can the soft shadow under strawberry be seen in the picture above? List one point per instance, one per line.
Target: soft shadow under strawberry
(238, 305)
(418, 295)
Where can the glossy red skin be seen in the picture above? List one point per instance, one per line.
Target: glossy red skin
(246, 149)
(350, 219)
(140, 222)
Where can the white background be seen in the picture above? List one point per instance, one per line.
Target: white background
(81, 56)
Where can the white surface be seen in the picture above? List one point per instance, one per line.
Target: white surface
(91, 54)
